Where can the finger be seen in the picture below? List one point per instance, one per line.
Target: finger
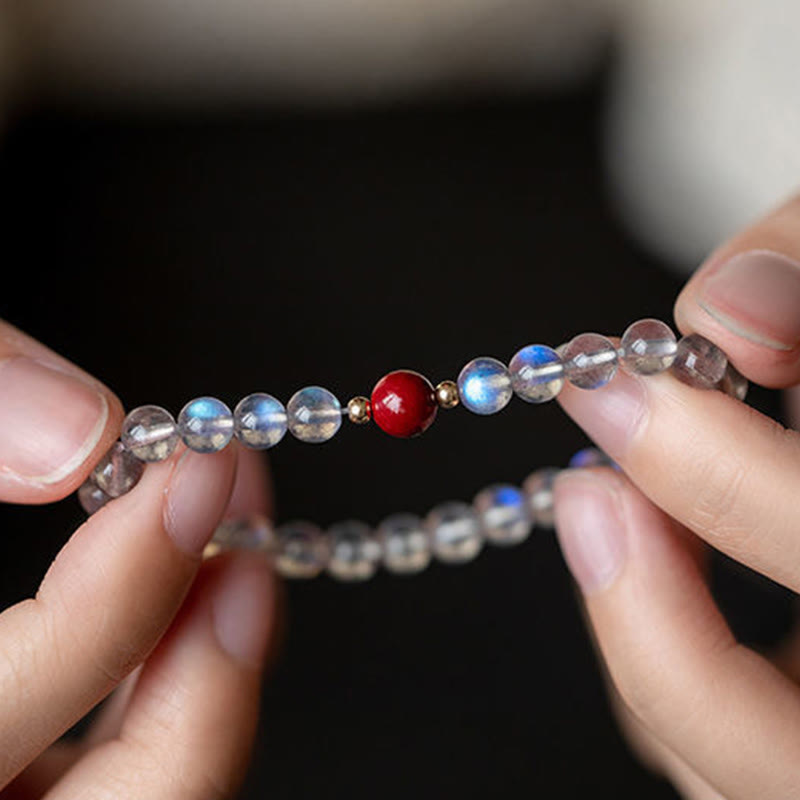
(725, 711)
(55, 421)
(192, 718)
(746, 299)
(105, 602)
(252, 491)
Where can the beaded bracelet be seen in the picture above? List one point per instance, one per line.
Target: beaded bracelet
(405, 404)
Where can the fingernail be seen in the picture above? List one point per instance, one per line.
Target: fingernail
(196, 497)
(756, 295)
(50, 421)
(243, 609)
(590, 528)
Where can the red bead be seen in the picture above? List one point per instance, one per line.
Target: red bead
(404, 403)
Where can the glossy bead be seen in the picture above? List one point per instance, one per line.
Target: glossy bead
(504, 513)
(537, 373)
(315, 414)
(205, 424)
(484, 386)
(301, 550)
(259, 421)
(404, 403)
(354, 553)
(733, 383)
(253, 532)
(590, 457)
(118, 471)
(447, 394)
(538, 487)
(150, 433)
(359, 410)
(405, 543)
(91, 497)
(455, 532)
(699, 362)
(648, 347)
(590, 361)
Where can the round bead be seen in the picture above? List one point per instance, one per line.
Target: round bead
(150, 433)
(537, 373)
(447, 394)
(301, 550)
(404, 403)
(504, 514)
(590, 361)
(315, 414)
(590, 457)
(733, 383)
(91, 497)
(259, 421)
(118, 471)
(354, 553)
(484, 386)
(698, 362)
(253, 532)
(359, 410)
(648, 347)
(538, 487)
(205, 424)
(455, 532)
(405, 543)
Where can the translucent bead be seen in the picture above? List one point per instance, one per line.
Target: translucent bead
(537, 373)
(91, 497)
(150, 433)
(455, 532)
(484, 386)
(504, 514)
(538, 487)
(590, 457)
(118, 471)
(405, 543)
(733, 383)
(354, 553)
(253, 533)
(590, 361)
(314, 414)
(302, 550)
(259, 420)
(698, 362)
(648, 347)
(205, 425)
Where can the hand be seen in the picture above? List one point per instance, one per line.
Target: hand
(717, 718)
(127, 601)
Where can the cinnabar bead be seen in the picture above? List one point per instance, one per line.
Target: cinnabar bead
(404, 403)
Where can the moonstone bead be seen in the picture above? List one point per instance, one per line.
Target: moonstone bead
(253, 532)
(91, 497)
(314, 414)
(455, 531)
(405, 542)
(205, 425)
(118, 471)
(484, 386)
(648, 347)
(590, 457)
(354, 553)
(302, 550)
(538, 487)
(699, 362)
(259, 421)
(537, 373)
(504, 514)
(150, 433)
(733, 383)
(590, 361)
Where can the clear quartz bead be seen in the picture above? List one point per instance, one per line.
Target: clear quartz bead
(484, 386)
(314, 414)
(405, 542)
(455, 532)
(538, 487)
(118, 471)
(354, 553)
(253, 532)
(537, 373)
(504, 514)
(150, 433)
(205, 425)
(259, 420)
(733, 383)
(590, 361)
(648, 347)
(302, 550)
(91, 497)
(699, 362)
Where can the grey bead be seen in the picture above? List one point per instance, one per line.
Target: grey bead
(302, 550)
(314, 414)
(648, 347)
(455, 531)
(150, 433)
(205, 425)
(733, 383)
(253, 532)
(504, 514)
(118, 471)
(538, 487)
(354, 552)
(406, 544)
(590, 361)
(699, 362)
(91, 497)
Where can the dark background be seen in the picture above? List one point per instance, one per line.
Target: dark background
(243, 251)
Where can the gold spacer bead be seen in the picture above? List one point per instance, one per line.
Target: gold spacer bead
(359, 410)
(447, 394)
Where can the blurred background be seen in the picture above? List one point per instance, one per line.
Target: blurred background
(227, 198)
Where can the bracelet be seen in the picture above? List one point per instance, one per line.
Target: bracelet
(404, 404)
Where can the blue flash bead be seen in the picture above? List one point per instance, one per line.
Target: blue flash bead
(314, 414)
(504, 513)
(205, 425)
(259, 421)
(591, 457)
(537, 373)
(484, 386)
